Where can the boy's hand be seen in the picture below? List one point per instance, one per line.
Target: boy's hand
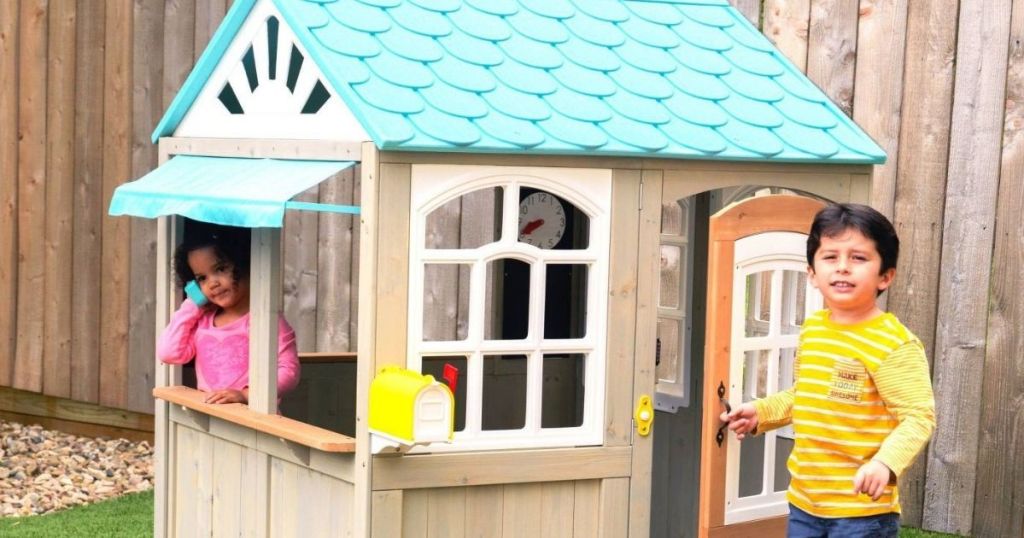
(871, 479)
(225, 396)
(742, 419)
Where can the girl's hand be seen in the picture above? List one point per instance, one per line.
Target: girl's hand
(871, 479)
(742, 419)
(225, 396)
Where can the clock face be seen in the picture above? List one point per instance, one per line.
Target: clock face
(541, 220)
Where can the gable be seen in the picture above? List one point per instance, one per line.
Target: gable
(266, 86)
(678, 79)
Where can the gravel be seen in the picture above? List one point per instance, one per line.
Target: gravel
(44, 470)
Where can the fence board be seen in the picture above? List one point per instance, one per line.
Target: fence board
(919, 202)
(1001, 445)
(832, 49)
(116, 271)
(8, 189)
(881, 41)
(28, 373)
(179, 46)
(299, 238)
(751, 9)
(209, 13)
(785, 24)
(60, 144)
(982, 41)
(88, 205)
(335, 291)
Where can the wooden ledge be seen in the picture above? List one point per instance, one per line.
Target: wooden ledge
(326, 357)
(276, 425)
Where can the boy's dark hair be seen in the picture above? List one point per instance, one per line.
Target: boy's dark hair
(837, 218)
(230, 244)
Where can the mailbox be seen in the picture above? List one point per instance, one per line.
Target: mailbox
(409, 408)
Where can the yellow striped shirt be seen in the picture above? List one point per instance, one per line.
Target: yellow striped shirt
(863, 392)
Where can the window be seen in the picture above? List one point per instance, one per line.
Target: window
(675, 306)
(508, 273)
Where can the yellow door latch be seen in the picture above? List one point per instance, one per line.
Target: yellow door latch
(644, 415)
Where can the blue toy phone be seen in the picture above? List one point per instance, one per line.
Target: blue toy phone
(195, 293)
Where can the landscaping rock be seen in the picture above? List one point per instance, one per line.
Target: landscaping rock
(42, 470)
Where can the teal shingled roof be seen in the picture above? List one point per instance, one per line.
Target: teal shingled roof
(679, 79)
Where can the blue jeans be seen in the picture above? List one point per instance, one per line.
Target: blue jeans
(804, 525)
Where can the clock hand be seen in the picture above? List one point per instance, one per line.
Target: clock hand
(531, 226)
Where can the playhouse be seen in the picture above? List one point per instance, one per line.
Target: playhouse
(592, 212)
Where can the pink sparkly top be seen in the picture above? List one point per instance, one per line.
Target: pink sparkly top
(222, 353)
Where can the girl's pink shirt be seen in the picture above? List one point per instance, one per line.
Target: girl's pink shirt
(222, 353)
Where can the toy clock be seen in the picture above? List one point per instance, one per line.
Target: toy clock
(541, 220)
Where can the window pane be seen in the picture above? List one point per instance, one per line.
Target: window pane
(783, 447)
(507, 310)
(562, 399)
(751, 465)
(755, 374)
(671, 262)
(435, 367)
(469, 221)
(565, 301)
(504, 392)
(445, 302)
(549, 222)
(668, 345)
(758, 303)
(794, 300)
(671, 219)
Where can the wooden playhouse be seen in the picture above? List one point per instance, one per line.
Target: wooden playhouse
(591, 211)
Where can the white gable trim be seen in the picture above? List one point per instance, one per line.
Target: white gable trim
(272, 110)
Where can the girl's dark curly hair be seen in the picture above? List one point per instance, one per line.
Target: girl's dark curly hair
(230, 245)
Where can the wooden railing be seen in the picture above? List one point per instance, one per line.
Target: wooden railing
(276, 425)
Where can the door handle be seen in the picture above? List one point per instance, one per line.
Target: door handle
(720, 436)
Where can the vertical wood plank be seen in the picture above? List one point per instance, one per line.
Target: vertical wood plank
(28, 363)
(614, 507)
(446, 512)
(9, 22)
(751, 9)
(299, 238)
(357, 237)
(415, 513)
(786, 25)
(264, 308)
(832, 49)
(999, 495)
(387, 513)
(209, 13)
(393, 263)
(179, 46)
(622, 301)
(586, 508)
(147, 108)
(482, 503)
(974, 156)
(88, 201)
(116, 271)
(920, 190)
(648, 264)
(556, 513)
(522, 505)
(881, 41)
(228, 490)
(60, 129)
(369, 195)
(335, 292)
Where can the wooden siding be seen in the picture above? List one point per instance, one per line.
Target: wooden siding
(936, 82)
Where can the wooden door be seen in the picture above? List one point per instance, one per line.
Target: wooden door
(758, 296)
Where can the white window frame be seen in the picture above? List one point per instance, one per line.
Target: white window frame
(776, 252)
(670, 395)
(587, 189)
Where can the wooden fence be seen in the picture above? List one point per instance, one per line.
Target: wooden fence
(938, 83)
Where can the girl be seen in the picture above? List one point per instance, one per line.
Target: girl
(216, 334)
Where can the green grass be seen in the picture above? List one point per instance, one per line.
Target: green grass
(132, 515)
(127, 516)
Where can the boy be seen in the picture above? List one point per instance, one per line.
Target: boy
(861, 405)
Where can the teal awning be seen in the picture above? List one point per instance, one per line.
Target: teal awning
(253, 193)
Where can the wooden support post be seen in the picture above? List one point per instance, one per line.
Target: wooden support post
(264, 306)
